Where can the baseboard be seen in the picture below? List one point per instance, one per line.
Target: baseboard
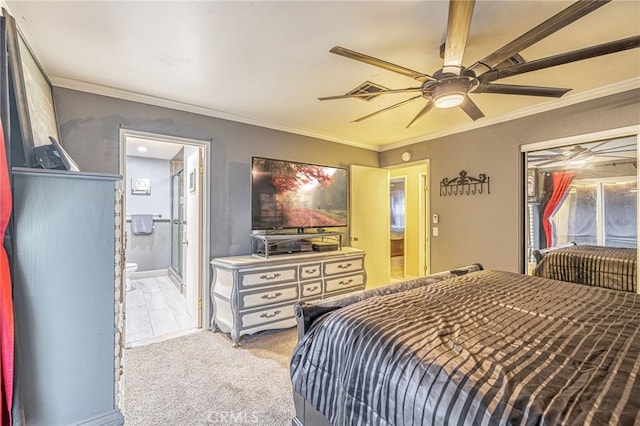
(138, 275)
(162, 338)
(110, 418)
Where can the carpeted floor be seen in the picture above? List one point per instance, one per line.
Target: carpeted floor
(200, 379)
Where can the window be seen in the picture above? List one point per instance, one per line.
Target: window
(598, 213)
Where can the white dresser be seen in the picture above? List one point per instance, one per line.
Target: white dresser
(251, 294)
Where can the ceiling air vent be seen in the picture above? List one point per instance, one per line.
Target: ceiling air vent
(367, 87)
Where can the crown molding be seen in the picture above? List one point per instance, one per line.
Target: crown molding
(585, 96)
(600, 92)
(112, 92)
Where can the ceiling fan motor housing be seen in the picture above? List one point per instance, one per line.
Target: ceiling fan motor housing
(448, 85)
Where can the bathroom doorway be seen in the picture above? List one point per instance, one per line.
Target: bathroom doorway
(165, 182)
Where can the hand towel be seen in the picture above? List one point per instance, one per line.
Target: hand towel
(141, 224)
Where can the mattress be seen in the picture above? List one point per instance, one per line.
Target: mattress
(489, 347)
(608, 267)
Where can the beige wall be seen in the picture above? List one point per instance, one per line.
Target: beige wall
(487, 228)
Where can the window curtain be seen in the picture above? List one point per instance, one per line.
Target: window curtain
(620, 218)
(583, 225)
(6, 298)
(7, 331)
(556, 185)
(397, 209)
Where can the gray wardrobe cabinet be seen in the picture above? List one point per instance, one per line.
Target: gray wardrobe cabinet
(64, 270)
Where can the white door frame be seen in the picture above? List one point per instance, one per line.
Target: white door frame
(204, 277)
(425, 228)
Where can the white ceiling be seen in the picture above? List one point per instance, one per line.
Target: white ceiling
(267, 62)
(149, 148)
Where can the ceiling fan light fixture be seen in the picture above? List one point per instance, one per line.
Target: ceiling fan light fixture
(449, 92)
(449, 100)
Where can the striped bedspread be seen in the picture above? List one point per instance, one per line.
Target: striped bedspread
(607, 267)
(487, 348)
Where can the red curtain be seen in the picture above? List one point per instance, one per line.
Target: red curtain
(6, 300)
(561, 181)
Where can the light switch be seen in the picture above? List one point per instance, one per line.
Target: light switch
(435, 231)
(435, 218)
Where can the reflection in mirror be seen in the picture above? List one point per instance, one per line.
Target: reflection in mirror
(584, 194)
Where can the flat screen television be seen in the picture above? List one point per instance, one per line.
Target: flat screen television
(292, 195)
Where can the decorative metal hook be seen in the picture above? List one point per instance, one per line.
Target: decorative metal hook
(456, 185)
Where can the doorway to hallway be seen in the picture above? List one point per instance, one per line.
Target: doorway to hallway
(409, 213)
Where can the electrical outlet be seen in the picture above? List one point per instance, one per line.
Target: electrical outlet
(435, 232)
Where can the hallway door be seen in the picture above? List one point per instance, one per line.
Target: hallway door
(370, 222)
(193, 231)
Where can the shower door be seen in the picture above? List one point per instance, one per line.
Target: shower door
(177, 220)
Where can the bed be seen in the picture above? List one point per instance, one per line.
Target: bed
(608, 267)
(483, 347)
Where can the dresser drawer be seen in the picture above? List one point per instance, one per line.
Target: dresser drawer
(313, 288)
(344, 282)
(266, 315)
(258, 277)
(311, 270)
(342, 266)
(268, 297)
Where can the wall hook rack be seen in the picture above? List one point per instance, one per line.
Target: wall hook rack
(464, 185)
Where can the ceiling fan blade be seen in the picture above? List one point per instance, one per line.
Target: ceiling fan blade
(471, 109)
(516, 89)
(624, 148)
(613, 151)
(420, 114)
(619, 157)
(560, 20)
(545, 163)
(380, 63)
(386, 109)
(460, 12)
(592, 148)
(563, 58)
(368, 94)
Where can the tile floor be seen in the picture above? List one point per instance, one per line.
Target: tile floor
(155, 311)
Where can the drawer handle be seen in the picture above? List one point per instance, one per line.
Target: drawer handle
(275, 296)
(267, 277)
(344, 266)
(345, 282)
(314, 288)
(311, 271)
(266, 315)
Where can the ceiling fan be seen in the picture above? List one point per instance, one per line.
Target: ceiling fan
(616, 150)
(450, 86)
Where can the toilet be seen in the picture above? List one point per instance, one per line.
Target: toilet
(130, 268)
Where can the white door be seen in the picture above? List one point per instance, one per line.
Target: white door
(193, 232)
(425, 217)
(370, 221)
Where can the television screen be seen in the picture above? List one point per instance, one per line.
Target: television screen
(286, 194)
